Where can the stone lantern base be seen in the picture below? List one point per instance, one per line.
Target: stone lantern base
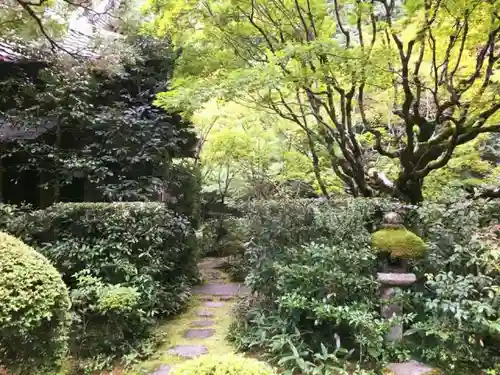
(391, 285)
(410, 368)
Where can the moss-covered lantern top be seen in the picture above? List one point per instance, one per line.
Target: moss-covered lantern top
(398, 241)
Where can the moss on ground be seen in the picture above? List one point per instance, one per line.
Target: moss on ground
(173, 331)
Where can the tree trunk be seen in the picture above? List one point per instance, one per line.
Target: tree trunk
(410, 190)
(317, 170)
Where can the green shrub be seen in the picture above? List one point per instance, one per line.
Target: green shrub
(324, 292)
(458, 310)
(184, 189)
(109, 318)
(456, 325)
(314, 271)
(143, 247)
(34, 310)
(271, 228)
(322, 295)
(223, 365)
(207, 237)
(221, 237)
(399, 243)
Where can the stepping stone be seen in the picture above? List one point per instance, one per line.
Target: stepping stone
(188, 351)
(207, 298)
(163, 370)
(205, 314)
(213, 304)
(199, 333)
(226, 298)
(409, 368)
(230, 289)
(202, 323)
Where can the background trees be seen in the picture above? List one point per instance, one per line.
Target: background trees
(366, 80)
(249, 153)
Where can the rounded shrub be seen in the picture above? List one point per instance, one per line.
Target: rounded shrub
(399, 242)
(34, 310)
(223, 365)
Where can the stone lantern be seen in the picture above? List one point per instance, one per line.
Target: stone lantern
(396, 245)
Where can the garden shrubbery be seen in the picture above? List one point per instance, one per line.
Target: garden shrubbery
(317, 303)
(223, 365)
(126, 265)
(314, 271)
(458, 311)
(34, 310)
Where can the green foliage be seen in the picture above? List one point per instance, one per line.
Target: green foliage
(466, 169)
(126, 264)
(313, 268)
(110, 318)
(281, 223)
(333, 71)
(108, 134)
(458, 310)
(19, 24)
(221, 237)
(183, 189)
(34, 313)
(458, 328)
(399, 243)
(223, 365)
(249, 152)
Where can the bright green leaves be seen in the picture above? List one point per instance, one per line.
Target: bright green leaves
(16, 22)
(244, 147)
(315, 63)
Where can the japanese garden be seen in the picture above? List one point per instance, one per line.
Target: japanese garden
(249, 187)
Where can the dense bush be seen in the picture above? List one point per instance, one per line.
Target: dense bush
(458, 311)
(314, 272)
(221, 237)
(223, 365)
(272, 227)
(109, 321)
(125, 263)
(34, 310)
(183, 190)
(317, 303)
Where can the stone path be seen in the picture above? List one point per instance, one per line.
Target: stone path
(215, 297)
(163, 370)
(409, 368)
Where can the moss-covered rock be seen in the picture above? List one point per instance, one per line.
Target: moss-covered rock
(34, 310)
(399, 243)
(223, 365)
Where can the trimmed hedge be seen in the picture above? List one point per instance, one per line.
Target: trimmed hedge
(126, 265)
(34, 310)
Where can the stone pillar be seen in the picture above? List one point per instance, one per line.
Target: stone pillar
(396, 247)
(391, 286)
